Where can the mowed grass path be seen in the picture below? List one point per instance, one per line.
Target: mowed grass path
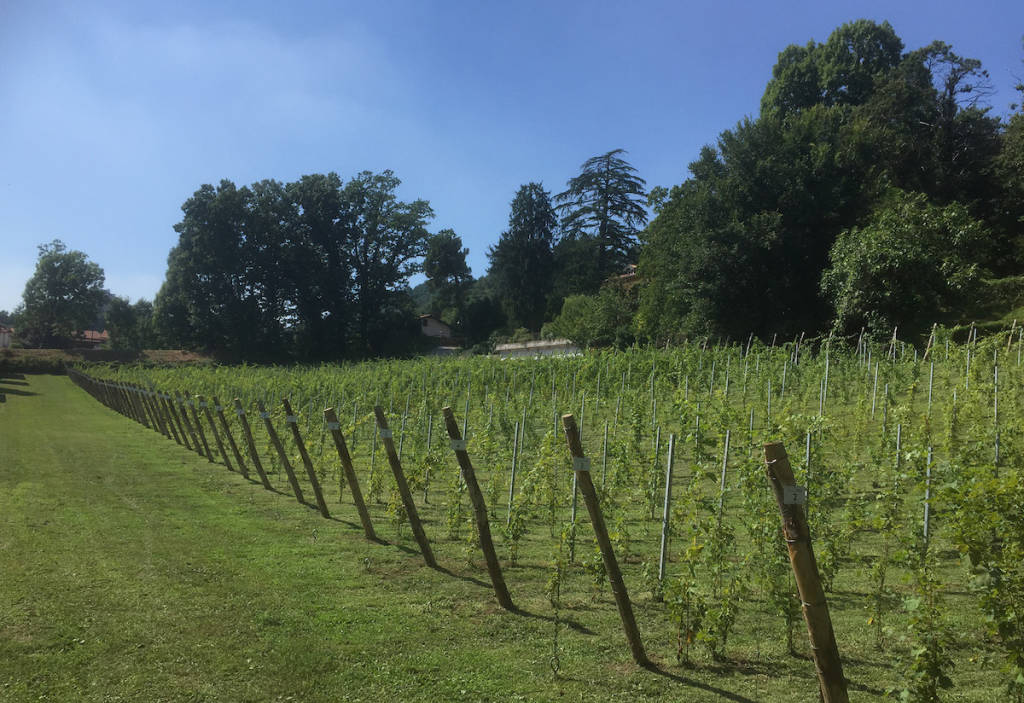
(132, 569)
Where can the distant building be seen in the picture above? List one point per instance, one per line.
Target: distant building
(541, 347)
(5, 336)
(433, 327)
(90, 339)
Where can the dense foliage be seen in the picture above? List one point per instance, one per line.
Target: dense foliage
(61, 299)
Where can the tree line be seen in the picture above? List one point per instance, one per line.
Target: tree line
(875, 188)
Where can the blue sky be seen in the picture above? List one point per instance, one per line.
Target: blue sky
(114, 113)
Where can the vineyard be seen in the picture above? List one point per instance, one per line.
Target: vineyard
(910, 459)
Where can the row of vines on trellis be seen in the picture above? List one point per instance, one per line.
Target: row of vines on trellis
(911, 460)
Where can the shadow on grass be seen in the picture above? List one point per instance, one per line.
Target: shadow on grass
(15, 391)
(10, 382)
(722, 693)
(571, 624)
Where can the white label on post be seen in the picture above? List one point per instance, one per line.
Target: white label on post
(386, 434)
(218, 408)
(291, 419)
(794, 495)
(202, 403)
(239, 412)
(458, 445)
(264, 415)
(581, 463)
(334, 425)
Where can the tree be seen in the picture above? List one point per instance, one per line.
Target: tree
(521, 263)
(208, 299)
(912, 264)
(842, 71)
(386, 239)
(448, 275)
(130, 326)
(315, 269)
(603, 319)
(605, 203)
(61, 298)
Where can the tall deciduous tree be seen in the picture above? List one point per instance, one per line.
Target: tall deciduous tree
(521, 262)
(313, 269)
(130, 326)
(386, 241)
(605, 203)
(62, 297)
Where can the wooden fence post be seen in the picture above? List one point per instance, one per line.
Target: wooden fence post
(199, 428)
(219, 409)
(276, 441)
(581, 468)
(157, 420)
(161, 399)
(292, 421)
(350, 473)
(181, 403)
(251, 443)
(213, 428)
(403, 488)
(480, 508)
(790, 497)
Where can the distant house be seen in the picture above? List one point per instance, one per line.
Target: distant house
(5, 336)
(433, 327)
(540, 347)
(90, 339)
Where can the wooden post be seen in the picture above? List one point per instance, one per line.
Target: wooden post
(251, 443)
(199, 428)
(276, 441)
(480, 508)
(188, 423)
(350, 473)
(157, 418)
(403, 488)
(213, 428)
(172, 421)
(292, 421)
(219, 409)
(801, 556)
(581, 467)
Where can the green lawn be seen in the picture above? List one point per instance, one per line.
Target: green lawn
(131, 569)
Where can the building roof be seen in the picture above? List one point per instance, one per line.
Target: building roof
(94, 336)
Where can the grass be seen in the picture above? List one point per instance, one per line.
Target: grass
(135, 570)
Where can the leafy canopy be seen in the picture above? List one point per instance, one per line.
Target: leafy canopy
(62, 298)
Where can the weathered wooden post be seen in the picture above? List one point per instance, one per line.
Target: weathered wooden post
(350, 473)
(251, 443)
(292, 421)
(281, 454)
(213, 428)
(199, 428)
(790, 498)
(479, 508)
(172, 421)
(180, 402)
(219, 409)
(403, 488)
(581, 467)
